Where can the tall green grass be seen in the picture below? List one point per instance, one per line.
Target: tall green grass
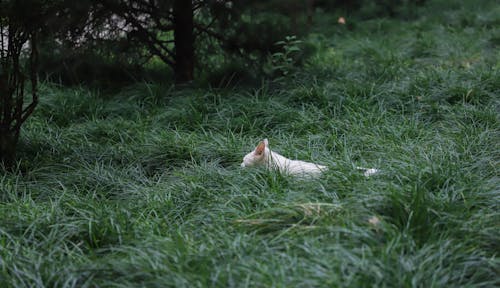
(144, 188)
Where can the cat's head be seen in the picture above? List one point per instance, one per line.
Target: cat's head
(258, 156)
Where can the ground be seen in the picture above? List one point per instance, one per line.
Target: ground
(144, 188)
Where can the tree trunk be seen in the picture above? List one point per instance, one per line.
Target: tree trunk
(310, 12)
(7, 147)
(184, 40)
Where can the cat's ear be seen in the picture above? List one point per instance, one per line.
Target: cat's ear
(259, 150)
(266, 143)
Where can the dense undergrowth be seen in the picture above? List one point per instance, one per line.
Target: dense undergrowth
(144, 188)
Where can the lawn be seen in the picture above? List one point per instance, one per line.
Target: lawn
(143, 187)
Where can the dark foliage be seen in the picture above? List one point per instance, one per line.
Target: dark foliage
(18, 26)
(371, 8)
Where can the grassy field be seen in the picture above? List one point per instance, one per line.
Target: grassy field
(143, 187)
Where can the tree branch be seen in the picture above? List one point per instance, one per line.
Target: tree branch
(209, 32)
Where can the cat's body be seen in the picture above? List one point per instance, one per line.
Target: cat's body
(263, 156)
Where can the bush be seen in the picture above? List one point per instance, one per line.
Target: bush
(373, 8)
(95, 65)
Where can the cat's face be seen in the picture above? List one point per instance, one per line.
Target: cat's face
(257, 156)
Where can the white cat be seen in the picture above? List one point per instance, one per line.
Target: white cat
(263, 156)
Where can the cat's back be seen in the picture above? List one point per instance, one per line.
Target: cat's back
(302, 167)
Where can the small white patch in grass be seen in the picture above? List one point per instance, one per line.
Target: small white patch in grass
(374, 220)
(368, 171)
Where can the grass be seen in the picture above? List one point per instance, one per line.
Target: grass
(144, 188)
